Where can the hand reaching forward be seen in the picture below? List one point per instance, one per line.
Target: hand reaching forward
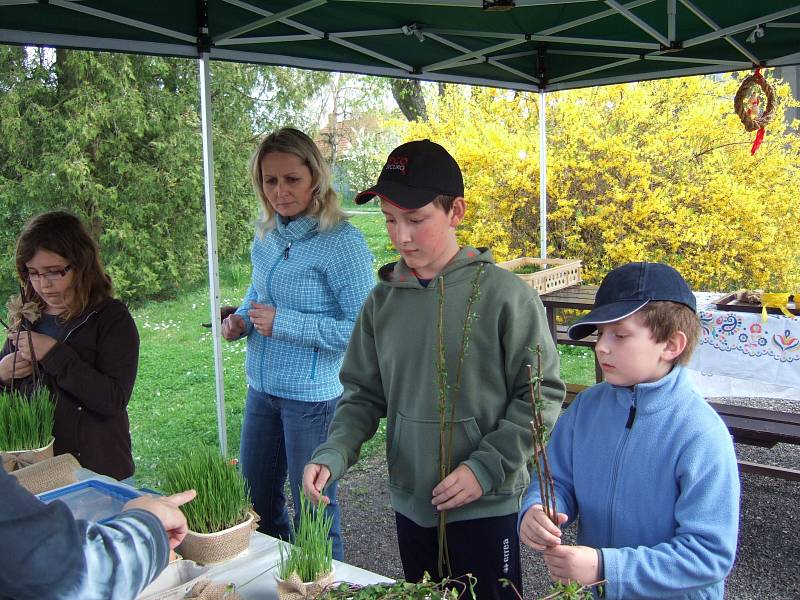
(262, 316)
(315, 478)
(457, 489)
(538, 531)
(572, 563)
(165, 508)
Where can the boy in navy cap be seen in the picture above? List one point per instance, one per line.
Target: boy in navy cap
(642, 458)
(392, 369)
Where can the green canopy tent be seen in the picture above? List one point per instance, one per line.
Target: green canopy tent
(533, 45)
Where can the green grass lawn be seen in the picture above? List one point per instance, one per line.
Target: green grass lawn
(174, 405)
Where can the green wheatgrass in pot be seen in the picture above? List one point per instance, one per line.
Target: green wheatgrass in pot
(311, 554)
(223, 497)
(526, 269)
(26, 423)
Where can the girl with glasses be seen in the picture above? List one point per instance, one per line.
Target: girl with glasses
(85, 343)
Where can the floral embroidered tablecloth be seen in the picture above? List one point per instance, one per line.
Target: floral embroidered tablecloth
(742, 345)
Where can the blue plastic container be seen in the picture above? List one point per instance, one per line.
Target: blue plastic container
(92, 499)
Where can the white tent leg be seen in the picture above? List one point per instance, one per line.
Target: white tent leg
(211, 235)
(542, 176)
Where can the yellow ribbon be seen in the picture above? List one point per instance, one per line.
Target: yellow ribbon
(779, 301)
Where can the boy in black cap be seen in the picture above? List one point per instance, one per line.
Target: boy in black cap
(414, 317)
(642, 458)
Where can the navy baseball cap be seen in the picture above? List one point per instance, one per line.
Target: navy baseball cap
(414, 174)
(627, 289)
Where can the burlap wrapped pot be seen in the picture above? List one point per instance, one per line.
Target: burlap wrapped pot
(17, 459)
(205, 548)
(296, 589)
(48, 474)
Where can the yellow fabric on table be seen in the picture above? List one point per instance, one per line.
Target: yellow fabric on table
(779, 301)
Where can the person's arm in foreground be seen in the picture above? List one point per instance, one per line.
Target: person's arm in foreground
(45, 553)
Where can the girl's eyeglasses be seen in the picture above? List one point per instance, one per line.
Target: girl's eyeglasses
(50, 275)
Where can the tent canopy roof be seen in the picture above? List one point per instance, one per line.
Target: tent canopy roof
(537, 44)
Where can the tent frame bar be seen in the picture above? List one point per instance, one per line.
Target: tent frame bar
(211, 236)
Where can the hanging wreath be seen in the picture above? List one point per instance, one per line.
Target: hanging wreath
(746, 102)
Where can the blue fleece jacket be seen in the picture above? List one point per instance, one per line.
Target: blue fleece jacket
(659, 497)
(317, 282)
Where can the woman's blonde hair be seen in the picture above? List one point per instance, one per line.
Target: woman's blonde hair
(64, 234)
(324, 202)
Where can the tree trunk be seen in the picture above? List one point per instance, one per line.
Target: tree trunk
(408, 95)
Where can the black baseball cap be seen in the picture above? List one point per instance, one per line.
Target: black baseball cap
(414, 174)
(627, 289)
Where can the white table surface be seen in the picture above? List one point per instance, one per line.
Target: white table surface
(253, 572)
(738, 354)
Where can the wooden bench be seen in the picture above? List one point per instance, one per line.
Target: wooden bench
(753, 426)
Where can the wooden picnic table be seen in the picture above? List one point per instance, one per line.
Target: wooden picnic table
(575, 297)
(748, 425)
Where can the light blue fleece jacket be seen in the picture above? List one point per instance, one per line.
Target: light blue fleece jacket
(317, 282)
(659, 498)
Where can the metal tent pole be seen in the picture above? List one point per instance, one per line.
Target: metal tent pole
(542, 176)
(211, 235)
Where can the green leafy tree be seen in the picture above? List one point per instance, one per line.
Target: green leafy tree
(657, 170)
(116, 139)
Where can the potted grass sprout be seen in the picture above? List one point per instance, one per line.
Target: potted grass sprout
(305, 569)
(220, 517)
(26, 427)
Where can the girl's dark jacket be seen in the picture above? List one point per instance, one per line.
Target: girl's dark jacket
(91, 372)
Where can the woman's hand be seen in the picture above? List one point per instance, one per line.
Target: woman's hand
(262, 316)
(21, 369)
(233, 327)
(38, 345)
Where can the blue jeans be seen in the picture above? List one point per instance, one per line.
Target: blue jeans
(278, 437)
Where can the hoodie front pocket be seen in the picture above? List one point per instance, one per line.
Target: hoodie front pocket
(413, 456)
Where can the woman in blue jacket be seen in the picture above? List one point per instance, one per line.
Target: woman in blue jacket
(312, 272)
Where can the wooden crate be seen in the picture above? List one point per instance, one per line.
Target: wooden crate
(557, 273)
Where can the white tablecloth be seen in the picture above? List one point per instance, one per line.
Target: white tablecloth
(253, 572)
(738, 354)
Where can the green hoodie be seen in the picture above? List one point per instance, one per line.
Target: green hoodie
(390, 370)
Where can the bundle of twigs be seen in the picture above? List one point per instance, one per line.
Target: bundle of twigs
(540, 435)
(22, 314)
(445, 394)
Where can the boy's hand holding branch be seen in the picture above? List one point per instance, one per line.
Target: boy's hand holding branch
(538, 531)
(572, 563)
(457, 489)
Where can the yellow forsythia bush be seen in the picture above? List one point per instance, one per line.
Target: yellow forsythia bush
(656, 171)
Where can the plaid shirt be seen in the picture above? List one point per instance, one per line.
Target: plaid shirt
(317, 282)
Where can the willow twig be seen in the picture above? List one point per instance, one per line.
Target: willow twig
(441, 376)
(539, 433)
